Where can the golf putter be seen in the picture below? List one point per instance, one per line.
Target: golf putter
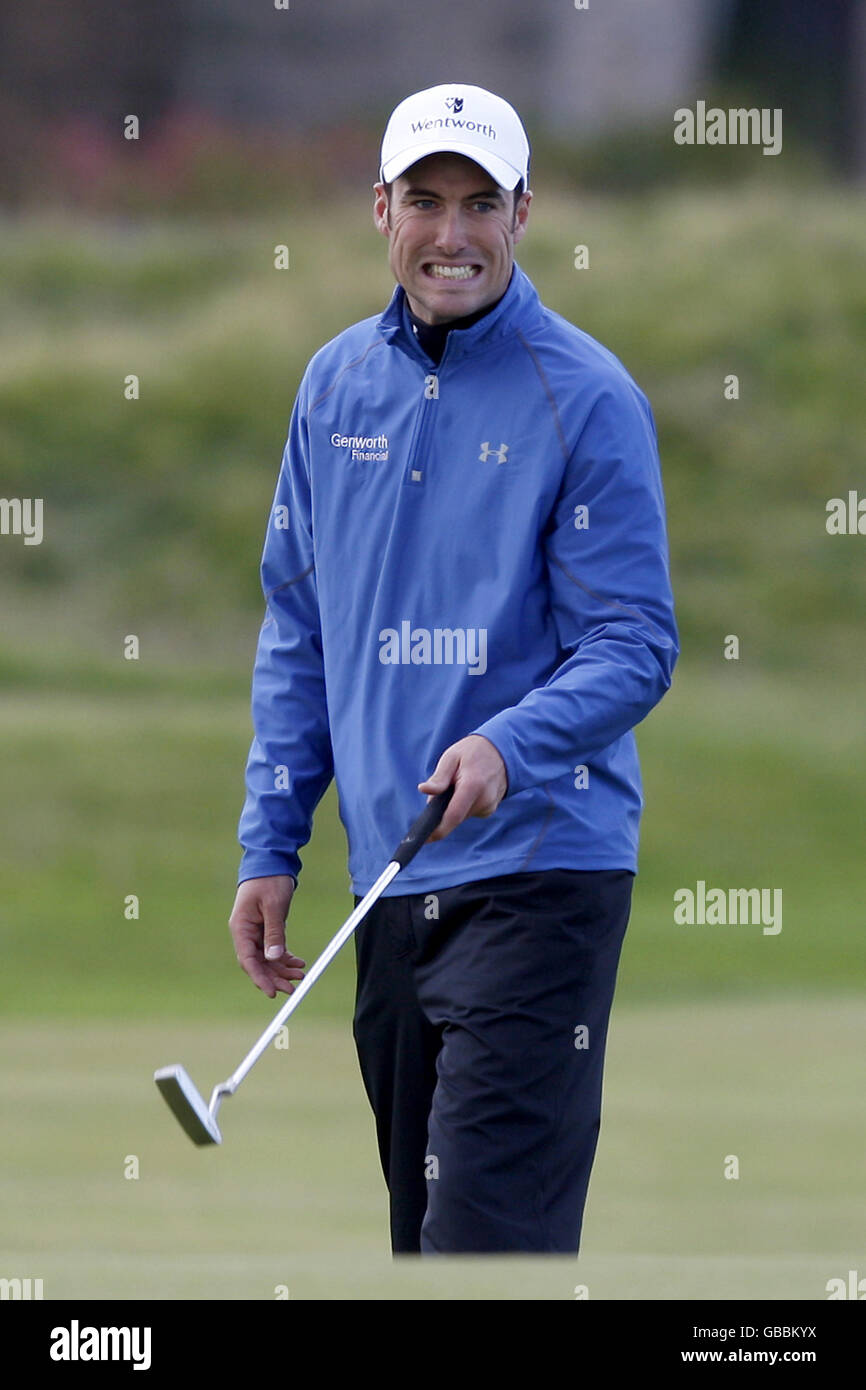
(186, 1103)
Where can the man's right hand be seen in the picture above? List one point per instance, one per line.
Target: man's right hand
(258, 928)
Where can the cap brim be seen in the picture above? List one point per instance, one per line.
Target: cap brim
(504, 174)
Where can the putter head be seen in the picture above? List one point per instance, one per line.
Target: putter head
(187, 1105)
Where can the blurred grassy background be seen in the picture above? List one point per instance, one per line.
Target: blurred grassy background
(126, 777)
(747, 780)
(294, 1196)
(155, 509)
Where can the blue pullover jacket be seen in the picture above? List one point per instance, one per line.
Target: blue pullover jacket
(474, 547)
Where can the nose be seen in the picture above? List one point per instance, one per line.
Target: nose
(451, 231)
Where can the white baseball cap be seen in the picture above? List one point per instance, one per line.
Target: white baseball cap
(457, 119)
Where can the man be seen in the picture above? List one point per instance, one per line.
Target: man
(467, 584)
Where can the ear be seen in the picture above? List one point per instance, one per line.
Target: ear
(381, 211)
(521, 213)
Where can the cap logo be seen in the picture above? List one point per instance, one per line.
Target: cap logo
(419, 125)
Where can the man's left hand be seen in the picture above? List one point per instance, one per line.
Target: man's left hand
(480, 780)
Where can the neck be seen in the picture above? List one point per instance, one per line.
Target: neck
(433, 336)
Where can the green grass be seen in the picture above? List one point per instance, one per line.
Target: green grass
(294, 1196)
(123, 778)
(748, 783)
(155, 509)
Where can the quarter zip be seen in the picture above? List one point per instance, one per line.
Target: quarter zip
(416, 463)
(416, 466)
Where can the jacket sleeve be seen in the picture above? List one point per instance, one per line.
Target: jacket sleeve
(290, 762)
(610, 597)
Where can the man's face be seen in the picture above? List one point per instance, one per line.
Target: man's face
(451, 235)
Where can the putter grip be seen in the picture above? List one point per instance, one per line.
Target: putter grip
(421, 827)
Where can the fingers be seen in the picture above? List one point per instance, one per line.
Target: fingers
(459, 807)
(475, 768)
(283, 972)
(271, 976)
(444, 775)
(258, 926)
(275, 932)
(284, 984)
(249, 953)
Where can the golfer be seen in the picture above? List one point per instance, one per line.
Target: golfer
(466, 583)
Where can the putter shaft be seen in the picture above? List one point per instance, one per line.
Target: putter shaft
(316, 969)
(185, 1101)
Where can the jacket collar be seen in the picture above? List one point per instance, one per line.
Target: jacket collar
(517, 308)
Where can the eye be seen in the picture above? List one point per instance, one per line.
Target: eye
(483, 206)
(424, 203)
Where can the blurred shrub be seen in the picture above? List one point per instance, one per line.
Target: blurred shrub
(156, 508)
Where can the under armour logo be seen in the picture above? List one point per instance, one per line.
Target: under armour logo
(486, 451)
(454, 103)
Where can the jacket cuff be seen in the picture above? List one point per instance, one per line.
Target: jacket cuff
(257, 863)
(497, 732)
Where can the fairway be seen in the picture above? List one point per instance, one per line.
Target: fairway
(122, 776)
(130, 792)
(293, 1203)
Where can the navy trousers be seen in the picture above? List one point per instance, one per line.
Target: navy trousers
(480, 1023)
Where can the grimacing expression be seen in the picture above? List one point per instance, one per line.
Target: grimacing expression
(451, 233)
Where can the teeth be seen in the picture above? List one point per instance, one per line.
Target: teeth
(452, 272)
